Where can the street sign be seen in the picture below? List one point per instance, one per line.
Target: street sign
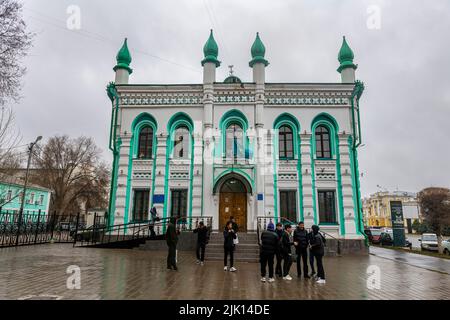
(398, 228)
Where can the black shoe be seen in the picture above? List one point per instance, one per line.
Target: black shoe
(175, 268)
(169, 268)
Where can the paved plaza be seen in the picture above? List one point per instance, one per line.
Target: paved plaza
(40, 271)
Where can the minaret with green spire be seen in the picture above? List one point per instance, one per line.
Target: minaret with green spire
(258, 52)
(211, 51)
(347, 67)
(122, 67)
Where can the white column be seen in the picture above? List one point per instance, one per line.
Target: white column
(305, 154)
(347, 187)
(122, 180)
(122, 76)
(161, 171)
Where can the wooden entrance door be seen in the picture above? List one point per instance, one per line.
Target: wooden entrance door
(233, 204)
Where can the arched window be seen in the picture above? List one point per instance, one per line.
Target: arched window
(234, 141)
(145, 143)
(181, 143)
(286, 143)
(323, 145)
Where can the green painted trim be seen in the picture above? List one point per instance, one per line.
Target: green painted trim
(234, 170)
(275, 181)
(331, 124)
(354, 192)
(114, 178)
(229, 118)
(287, 119)
(177, 120)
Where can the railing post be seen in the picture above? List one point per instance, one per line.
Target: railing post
(52, 225)
(76, 230)
(37, 226)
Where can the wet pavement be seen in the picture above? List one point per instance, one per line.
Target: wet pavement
(39, 272)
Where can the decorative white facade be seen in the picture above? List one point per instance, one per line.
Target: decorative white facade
(234, 136)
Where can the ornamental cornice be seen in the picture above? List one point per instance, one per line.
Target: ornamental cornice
(161, 98)
(308, 98)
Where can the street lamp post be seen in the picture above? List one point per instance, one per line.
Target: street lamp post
(24, 192)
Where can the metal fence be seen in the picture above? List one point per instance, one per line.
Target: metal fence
(36, 227)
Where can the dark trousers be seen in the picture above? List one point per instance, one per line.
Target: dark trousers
(152, 231)
(311, 261)
(228, 251)
(320, 270)
(201, 251)
(266, 259)
(278, 270)
(171, 262)
(287, 264)
(302, 253)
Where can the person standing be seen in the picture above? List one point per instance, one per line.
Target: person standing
(235, 225)
(286, 251)
(154, 217)
(279, 254)
(311, 256)
(172, 241)
(301, 249)
(318, 250)
(269, 244)
(202, 238)
(228, 245)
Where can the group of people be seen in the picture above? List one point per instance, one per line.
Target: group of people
(276, 242)
(279, 242)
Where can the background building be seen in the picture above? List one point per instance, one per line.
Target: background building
(243, 149)
(11, 194)
(377, 209)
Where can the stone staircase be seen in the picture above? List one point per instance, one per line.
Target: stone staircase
(246, 251)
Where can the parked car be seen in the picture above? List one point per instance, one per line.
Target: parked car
(446, 246)
(376, 236)
(429, 241)
(387, 239)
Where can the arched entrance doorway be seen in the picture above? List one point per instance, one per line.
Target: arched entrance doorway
(233, 203)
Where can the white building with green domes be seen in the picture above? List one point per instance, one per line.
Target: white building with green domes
(224, 148)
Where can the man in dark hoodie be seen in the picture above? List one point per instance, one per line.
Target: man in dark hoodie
(202, 238)
(279, 231)
(318, 250)
(228, 246)
(269, 244)
(301, 249)
(172, 240)
(286, 249)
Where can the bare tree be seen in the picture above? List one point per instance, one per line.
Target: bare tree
(73, 170)
(10, 158)
(435, 207)
(15, 41)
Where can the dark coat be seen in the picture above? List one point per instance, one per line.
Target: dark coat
(280, 235)
(286, 243)
(228, 238)
(171, 235)
(269, 242)
(301, 236)
(317, 245)
(235, 226)
(202, 235)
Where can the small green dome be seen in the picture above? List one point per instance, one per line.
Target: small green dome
(211, 51)
(232, 79)
(124, 58)
(346, 57)
(258, 52)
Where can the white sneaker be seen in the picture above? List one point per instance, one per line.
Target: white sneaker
(225, 268)
(202, 263)
(263, 279)
(321, 281)
(271, 280)
(288, 277)
(233, 269)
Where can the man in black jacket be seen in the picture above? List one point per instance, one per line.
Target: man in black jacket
(301, 249)
(202, 238)
(286, 250)
(228, 246)
(269, 244)
(318, 250)
(279, 231)
(172, 240)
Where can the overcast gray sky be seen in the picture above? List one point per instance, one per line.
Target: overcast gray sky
(405, 65)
